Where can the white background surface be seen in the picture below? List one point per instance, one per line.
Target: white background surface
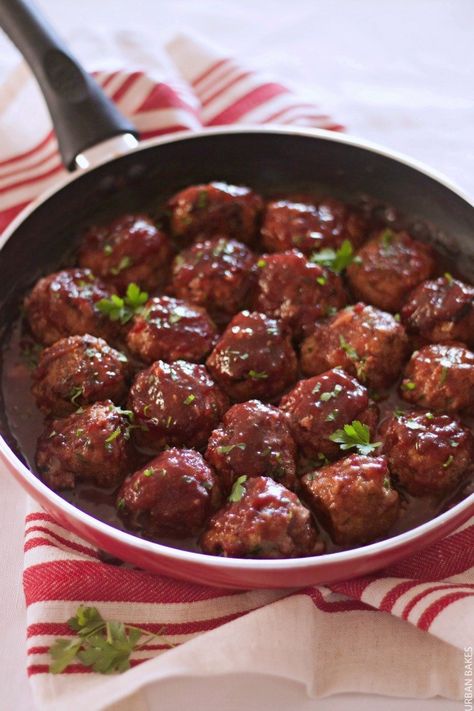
(400, 73)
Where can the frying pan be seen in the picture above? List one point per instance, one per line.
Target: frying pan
(89, 129)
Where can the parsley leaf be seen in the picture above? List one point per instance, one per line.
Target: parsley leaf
(75, 394)
(124, 263)
(257, 375)
(238, 490)
(123, 309)
(355, 436)
(105, 646)
(336, 260)
(225, 449)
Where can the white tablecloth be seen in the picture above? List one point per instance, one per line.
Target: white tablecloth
(397, 73)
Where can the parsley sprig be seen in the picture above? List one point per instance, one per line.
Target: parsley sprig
(122, 309)
(336, 260)
(105, 646)
(355, 436)
(238, 489)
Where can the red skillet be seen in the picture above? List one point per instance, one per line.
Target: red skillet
(269, 160)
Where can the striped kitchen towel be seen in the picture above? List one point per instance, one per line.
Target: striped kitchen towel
(328, 638)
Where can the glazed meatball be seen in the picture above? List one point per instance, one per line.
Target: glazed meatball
(353, 499)
(65, 304)
(262, 519)
(310, 227)
(171, 329)
(440, 377)
(253, 358)
(175, 404)
(92, 444)
(366, 342)
(253, 440)
(319, 406)
(77, 371)
(441, 310)
(429, 454)
(130, 249)
(215, 209)
(173, 495)
(297, 291)
(388, 267)
(218, 274)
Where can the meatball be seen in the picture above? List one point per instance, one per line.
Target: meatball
(262, 519)
(77, 371)
(388, 267)
(65, 304)
(353, 499)
(297, 291)
(440, 377)
(253, 358)
(175, 404)
(429, 454)
(253, 440)
(365, 342)
(130, 249)
(173, 495)
(171, 329)
(310, 227)
(441, 310)
(92, 444)
(215, 209)
(319, 406)
(218, 274)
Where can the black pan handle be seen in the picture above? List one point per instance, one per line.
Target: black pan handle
(82, 115)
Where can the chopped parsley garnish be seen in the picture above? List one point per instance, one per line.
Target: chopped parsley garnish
(408, 385)
(331, 393)
(453, 443)
(348, 349)
(386, 483)
(397, 318)
(448, 462)
(104, 646)
(108, 250)
(386, 238)
(75, 394)
(261, 263)
(124, 263)
(322, 280)
(355, 436)
(429, 415)
(148, 472)
(120, 504)
(316, 388)
(191, 398)
(202, 200)
(79, 432)
(257, 375)
(175, 316)
(238, 490)
(225, 449)
(336, 260)
(332, 416)
(448, 277)
(123, 309)
(113, 436)
(444, 374)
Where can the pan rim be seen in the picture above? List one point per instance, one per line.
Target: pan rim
(193, 557)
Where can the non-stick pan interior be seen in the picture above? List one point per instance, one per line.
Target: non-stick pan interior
(267, 161)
